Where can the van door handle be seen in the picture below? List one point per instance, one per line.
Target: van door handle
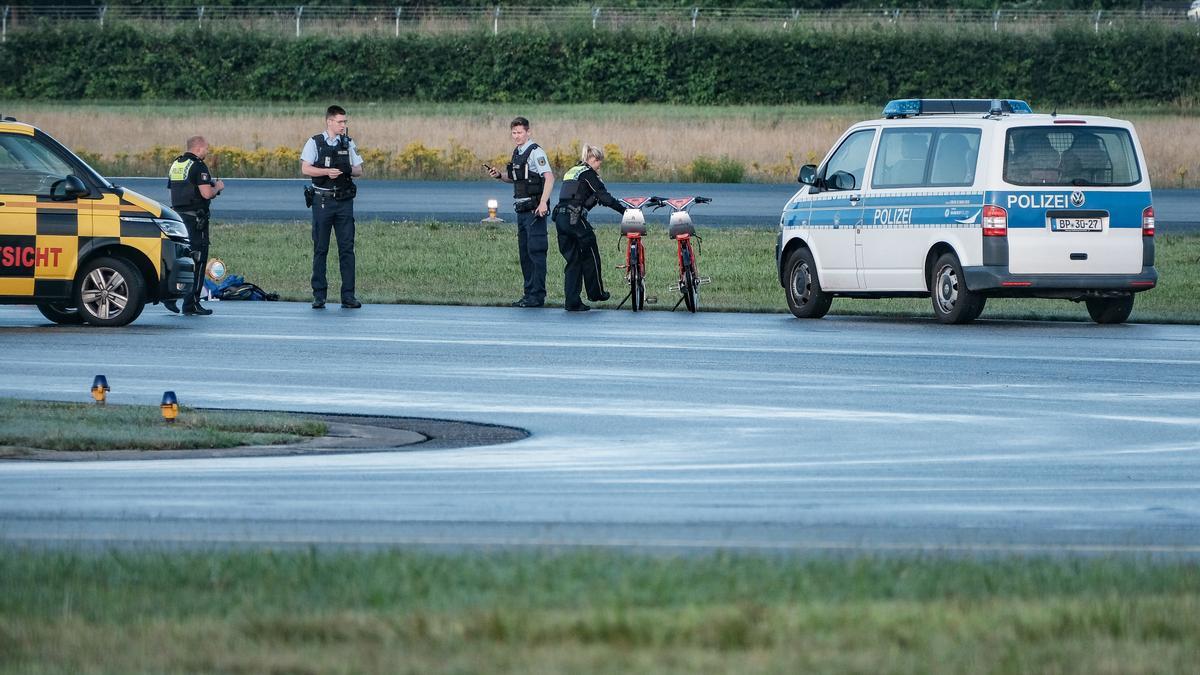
(855, 198)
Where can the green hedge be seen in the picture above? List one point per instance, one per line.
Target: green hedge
(1064, 66)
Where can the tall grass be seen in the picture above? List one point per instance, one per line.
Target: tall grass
(395, 611)
(758, 143)
(447, 263)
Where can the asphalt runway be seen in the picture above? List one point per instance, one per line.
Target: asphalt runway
(659, 431)
(741, 204)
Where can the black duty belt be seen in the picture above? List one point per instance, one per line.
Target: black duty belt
(339, 195)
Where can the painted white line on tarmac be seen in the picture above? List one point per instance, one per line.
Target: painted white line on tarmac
(676, 347)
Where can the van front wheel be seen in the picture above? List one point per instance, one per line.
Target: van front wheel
(952, 301)
(110, 292)
(804, 295)
(1110, 310)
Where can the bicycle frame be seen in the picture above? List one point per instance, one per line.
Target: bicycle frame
(633, 230)
(682, 231)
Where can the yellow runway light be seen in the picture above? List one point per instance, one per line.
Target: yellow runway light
(170, 406)
(100, 389)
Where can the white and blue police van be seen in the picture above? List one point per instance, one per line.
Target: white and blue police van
(964, 199)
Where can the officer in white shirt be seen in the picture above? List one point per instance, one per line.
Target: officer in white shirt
(533, 182)
(331, 160)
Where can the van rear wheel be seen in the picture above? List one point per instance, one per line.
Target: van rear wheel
(1110, 310)
(110, 292)
(805, 298)
(953, 302)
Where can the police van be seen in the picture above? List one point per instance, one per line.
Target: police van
(963, 200)
(77, 246)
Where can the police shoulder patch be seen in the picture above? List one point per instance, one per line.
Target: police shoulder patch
(203, 176)
(542, 161)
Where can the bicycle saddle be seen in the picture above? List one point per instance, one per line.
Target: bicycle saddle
(677, 230)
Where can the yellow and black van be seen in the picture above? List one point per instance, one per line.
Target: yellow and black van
(77, 246)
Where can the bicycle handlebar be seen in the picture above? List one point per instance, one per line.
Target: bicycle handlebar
(660, 202)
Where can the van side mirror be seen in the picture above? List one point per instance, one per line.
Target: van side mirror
(808, 174)
(68, 188)
(841, 180)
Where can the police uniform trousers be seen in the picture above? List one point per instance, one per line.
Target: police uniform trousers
(331, 215)
(196, 223)
(532, 244)
(577, 243)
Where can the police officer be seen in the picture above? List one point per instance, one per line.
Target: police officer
(192, 187)
(581, 190)
(533, 183)
(331, 160)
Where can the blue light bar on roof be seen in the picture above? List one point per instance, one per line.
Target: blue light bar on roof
(902, 107)
(907, 107)
(1019, 107)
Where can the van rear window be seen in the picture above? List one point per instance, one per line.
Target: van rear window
(1075, 156)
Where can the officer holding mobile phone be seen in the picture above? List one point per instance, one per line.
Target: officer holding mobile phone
(331, 160)
(533, 182)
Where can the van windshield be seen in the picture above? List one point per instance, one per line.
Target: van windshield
(28, 167)
(1077, 155)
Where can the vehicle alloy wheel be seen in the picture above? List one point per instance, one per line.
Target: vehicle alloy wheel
(110, 292)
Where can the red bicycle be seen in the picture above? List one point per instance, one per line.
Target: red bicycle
(683, 232)
(633, 229)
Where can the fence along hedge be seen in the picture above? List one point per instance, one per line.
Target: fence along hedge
(1065, 66)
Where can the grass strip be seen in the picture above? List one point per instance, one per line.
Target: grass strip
(75, 426)
(397, 611)
(468, 264)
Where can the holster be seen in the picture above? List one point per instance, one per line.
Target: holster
(575, 215)
(309, 193)
(524, 206)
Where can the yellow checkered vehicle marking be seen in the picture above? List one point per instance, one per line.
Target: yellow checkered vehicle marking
(42, 241)
(80, 249)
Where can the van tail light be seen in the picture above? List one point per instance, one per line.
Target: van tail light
(1148, 221)
(995, 221)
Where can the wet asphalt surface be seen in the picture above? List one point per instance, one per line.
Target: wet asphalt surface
(742, 204)
(658, 431)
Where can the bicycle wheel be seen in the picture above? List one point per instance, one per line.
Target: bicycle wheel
(637, 284)
(688, 285)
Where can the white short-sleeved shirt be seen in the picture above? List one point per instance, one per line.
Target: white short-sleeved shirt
(538, 161)
(309, 153)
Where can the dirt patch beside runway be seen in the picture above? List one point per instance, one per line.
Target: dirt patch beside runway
(346, 434)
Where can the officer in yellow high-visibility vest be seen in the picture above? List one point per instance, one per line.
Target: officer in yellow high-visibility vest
(192, 187)
(581, 190)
